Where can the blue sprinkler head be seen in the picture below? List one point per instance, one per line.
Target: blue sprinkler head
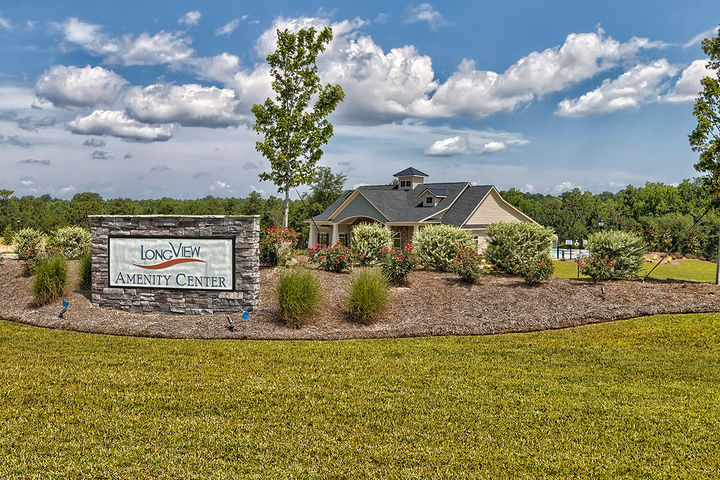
(65, 304)
(245, 315)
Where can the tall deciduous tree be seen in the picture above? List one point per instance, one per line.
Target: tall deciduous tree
(705, 138)
(293, 130)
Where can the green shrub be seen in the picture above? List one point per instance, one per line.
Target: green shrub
(521, 248)
(534, 268)
(271, 240)
(336, 258)
(395, 264)
(70, 242)
(368, 295)
(86, 269)
(50, 279)
(8, 235)
(470, 264)
(298, 296)
(30, 247)
(368, 241)
(613, 254)
(437, 245)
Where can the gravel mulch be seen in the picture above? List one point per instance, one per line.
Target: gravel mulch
(433, 304)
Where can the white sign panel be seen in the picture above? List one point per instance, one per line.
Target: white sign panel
(174, 262)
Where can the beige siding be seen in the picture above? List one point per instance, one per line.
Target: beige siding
(494, 210)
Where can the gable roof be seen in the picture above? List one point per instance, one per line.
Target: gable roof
(465, 205)
(411, 171)
(325, 216)
(438, 192)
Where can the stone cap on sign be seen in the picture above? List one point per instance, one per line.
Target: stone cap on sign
(174, 216)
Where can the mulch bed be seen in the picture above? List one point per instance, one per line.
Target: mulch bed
(433, 304)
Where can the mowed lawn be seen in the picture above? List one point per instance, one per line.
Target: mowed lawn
(628, 399)
(690, 270)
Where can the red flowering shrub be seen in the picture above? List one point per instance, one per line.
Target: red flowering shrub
(396, 264)
(469, 264)
(613, 254)
(276, 243)
(30, 247)
(334, 259)
(533, 268)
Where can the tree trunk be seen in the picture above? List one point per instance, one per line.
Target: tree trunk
(287, 208)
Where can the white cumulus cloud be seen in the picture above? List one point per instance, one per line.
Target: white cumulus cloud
(219, 185)
(190, 18)
(641, 84)
(425, 12)
(479, 93)
(188, 105)
(456, 145)
(144, 49)
(118, 124)
(5, 23)
(79, 87)
(688, 86)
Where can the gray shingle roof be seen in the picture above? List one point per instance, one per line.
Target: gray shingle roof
(411, 171)
(465, 205)
(323, 217)
(400, 205)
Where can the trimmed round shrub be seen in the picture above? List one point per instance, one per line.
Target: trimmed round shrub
(368, 296)
(521, 248)
(437, 245)
(470, 265)
(50, 279)
(30, 247)
(614, 254)
(70, 242)
(368, 241)
(395, 264)
(86, 269)
(298, 296)
(271, 240)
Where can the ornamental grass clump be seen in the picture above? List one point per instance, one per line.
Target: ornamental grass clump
(298, 296)
(86, 269)
(368, 295)
(470, 264)
(30, 248)
(50, 279)
(70, 242)
(277, 246)
(521, 248)
(334, 259)
(613, 255)
(369, 240)
(437, 245)
(395, 264)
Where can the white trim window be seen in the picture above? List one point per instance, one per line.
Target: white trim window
(323, 238)
(396, 239)
(429, 201)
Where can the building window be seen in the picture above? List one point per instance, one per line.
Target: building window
(396, 239)
(405, 183)
(343, 239)
(323, 238)
(428, 200)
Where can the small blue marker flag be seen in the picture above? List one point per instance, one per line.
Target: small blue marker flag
(65, 304)
(245, 315)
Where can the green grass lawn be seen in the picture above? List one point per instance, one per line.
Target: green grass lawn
(691, 270)
(629, 399)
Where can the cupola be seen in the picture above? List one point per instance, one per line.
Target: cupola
(410, 178)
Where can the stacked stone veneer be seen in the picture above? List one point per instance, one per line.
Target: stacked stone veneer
(246, 292)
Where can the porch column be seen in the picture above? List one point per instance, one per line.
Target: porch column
(416, 228)
(335, 234)
(312, 237)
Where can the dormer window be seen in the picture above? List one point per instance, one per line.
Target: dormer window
(405, 184)
(429, 201)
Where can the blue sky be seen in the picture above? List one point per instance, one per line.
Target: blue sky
(151, 99)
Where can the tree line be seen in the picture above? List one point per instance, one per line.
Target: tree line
(662, 214)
